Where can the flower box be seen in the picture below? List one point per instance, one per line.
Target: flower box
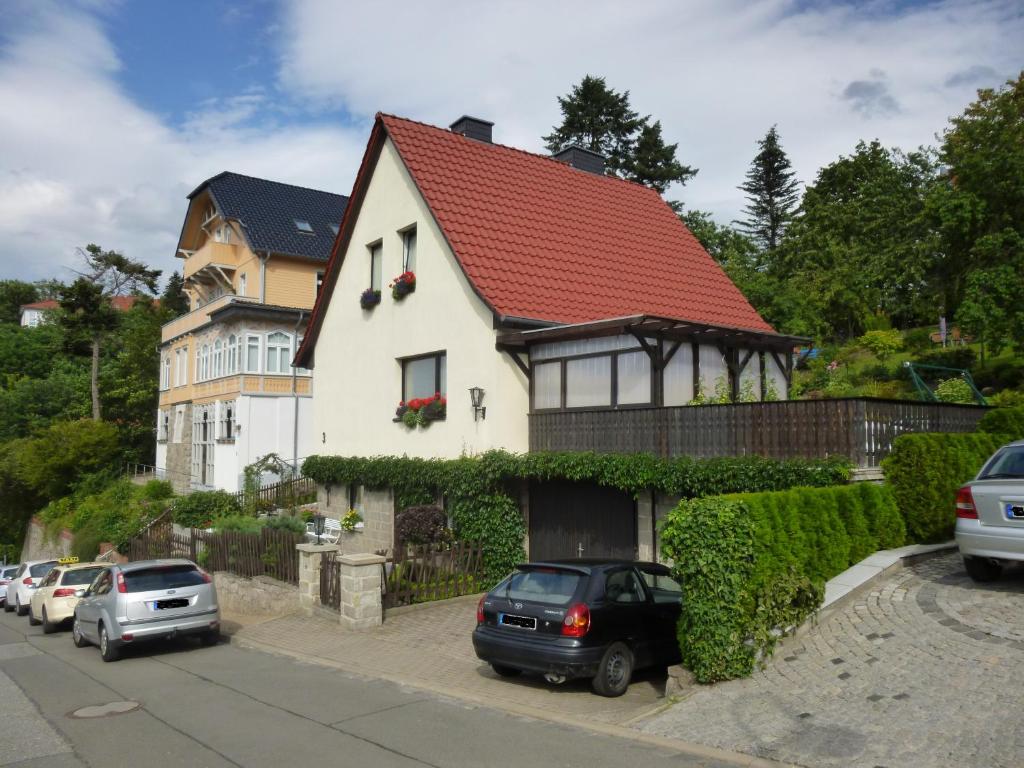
(403, 285)
(369, 299)
(422, 411)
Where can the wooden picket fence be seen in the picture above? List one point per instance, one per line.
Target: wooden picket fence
(421, 573)
(267, 553)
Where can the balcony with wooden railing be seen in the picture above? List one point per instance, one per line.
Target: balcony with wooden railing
(861, 429)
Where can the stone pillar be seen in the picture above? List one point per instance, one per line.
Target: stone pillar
(361, 606)
(310, 557)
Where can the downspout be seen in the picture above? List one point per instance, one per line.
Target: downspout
(295, 401)
(263, 276)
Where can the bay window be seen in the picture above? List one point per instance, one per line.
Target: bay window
(252, 354)
(279, 347)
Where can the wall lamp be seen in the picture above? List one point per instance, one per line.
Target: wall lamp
(476, 395)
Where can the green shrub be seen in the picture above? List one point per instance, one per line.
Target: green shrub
(285, 523)
(238, 522)
(925, 471)
(950, 357)
(494, 521)
(751, 564)
(1008, 422)
(157, 490)
(955, 390)
(881, 343)
(199, 509)
(1007, 398)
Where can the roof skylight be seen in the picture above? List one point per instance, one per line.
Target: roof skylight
(303, 226)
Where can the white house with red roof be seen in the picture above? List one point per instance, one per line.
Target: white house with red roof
(540, 285)
(36, 313)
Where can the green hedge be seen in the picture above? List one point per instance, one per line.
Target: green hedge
(1008, 422)
(925, 471)
(752, 563)
(482, 508)
(201, 508)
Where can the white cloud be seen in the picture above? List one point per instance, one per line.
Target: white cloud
(82, 162)
(717, 73)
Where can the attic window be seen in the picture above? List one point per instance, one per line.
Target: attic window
(304, 227)
(334, 229)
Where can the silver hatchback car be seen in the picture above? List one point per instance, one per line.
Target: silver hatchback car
(146, 600)
(990, 514)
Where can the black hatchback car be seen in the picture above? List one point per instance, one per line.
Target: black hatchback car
(599, 619)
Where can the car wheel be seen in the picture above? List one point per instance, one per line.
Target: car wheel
(76, 635)
(32, 616)
(615, 671)
(504, 671)
(108, 651)
(7, 606)
(20, 609)
(981, 569)
(210, 638)
(48, 627)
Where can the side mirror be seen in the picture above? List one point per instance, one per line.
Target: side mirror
(81, 592)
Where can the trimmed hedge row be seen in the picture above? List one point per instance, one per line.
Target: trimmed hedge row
(925, 471)
(1008, 422)
(752, 563)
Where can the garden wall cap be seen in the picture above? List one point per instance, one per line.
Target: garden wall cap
(362, 558)
(317, 547)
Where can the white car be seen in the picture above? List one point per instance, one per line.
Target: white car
(990, 515)
(28, 577)
(55, 600)
(6, 574)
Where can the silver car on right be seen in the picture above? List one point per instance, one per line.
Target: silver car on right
(990, 514)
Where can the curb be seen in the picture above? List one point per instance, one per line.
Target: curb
(678, 746)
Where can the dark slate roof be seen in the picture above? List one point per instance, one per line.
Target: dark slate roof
(268, 210)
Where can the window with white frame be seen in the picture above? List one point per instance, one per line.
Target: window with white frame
(179, 423)
(231, 355)
(252, 354)
(409, 249)
(300, 371)
(165, 372)
(376, 266)
(204, 363)
(319, 283)
(163, 422)
(222, 234)
(203, 439)
(181, 367)
(226, 429)
(279, 347)
(242, 284)
(217, 365)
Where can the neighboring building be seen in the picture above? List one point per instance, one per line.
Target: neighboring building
(254, 253)
(35, 313)
(542, 282)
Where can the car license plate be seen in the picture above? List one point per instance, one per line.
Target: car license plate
(520, 622)
(175, 602)
(1015, 511)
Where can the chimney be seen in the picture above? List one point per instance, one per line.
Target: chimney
(473, 128)
(582, 159)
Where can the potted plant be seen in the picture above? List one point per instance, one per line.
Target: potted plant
(403, 285)
(351, 521)
(369, 299)
(420, 411)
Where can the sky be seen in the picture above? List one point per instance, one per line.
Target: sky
(112, 111)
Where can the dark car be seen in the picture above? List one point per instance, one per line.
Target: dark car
(599, 619)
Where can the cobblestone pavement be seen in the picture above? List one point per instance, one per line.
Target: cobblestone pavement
(431, 646)
(926, 670)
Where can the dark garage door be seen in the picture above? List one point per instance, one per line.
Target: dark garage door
(581, 519)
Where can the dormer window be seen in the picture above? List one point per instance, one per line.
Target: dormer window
(222, 234)
(303, 226)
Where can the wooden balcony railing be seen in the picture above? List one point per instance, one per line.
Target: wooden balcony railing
(861, 429)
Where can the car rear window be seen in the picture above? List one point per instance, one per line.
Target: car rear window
(1007, 463)
(162, 577)
(81, 576)
(8, 573)
(544, 585)
(40, 569)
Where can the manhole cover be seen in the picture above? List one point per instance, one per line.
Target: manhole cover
(106, 710)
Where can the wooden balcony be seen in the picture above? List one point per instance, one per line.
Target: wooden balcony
(224, 255)
(861, 429)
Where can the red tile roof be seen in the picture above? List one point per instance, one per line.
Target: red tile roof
(541, 240)
(46, 304)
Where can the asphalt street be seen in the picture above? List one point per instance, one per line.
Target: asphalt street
(177, 704)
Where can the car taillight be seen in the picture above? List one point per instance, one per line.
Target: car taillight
(27, 580)
(577, 621)
(63, 592)
(965, 504)
(121, 586)
(206, 576)
(480, 611)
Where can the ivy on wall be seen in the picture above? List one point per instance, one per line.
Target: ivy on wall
(479, 494)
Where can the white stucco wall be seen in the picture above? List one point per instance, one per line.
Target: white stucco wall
(267, 427)
(357, 380)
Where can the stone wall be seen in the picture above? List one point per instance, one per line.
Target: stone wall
(179, 454)
(38, 547)
(377, 508)
(261, 596)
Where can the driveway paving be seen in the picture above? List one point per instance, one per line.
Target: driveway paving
(923, 670)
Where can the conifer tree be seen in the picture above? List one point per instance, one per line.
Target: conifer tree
(772, 191)
(653, 162)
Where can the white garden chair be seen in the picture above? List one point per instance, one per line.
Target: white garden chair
(331, 534)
